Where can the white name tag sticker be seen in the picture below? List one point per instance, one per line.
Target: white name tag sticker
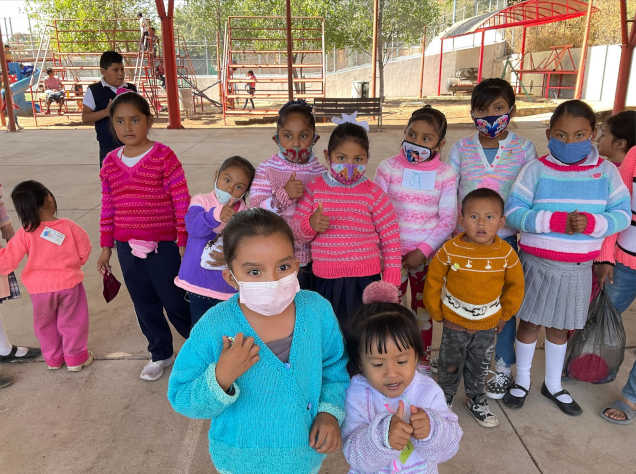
(420, 180)
(53, 236)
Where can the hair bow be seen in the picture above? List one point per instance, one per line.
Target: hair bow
(350, 118)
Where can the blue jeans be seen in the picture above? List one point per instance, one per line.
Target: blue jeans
(622, 293)
(505, 347)
(199, 305)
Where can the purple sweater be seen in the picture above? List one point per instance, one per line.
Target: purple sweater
(203, 224)
(367, 419)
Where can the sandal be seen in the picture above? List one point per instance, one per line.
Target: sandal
(31, 353)
(512, 401)
(572, 408)
(619, 405)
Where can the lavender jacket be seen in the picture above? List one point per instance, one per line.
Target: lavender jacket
(366, 427)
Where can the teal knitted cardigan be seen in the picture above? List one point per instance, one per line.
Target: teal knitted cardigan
(264, 427)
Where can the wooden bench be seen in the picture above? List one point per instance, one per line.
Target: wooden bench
(335, 106)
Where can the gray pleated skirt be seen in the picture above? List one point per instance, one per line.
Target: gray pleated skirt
(557, 294)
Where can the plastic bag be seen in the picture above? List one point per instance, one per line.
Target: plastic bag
(596, 352)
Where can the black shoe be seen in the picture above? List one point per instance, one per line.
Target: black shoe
(572, 408)
(515, 402)
(5, 381)
(31, 353)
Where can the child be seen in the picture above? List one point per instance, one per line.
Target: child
(54, 91)
(98, 99)
(474, 285)
(423, 191)
(56, 249)
(268, 365)
(350, 224)
(207, 215)
(492, 158)
(251, 88)
(144, 201)
(280, 181)
(564, 204)
(396, 418)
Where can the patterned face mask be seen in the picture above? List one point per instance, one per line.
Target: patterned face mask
(415, 153)
(347, 173)
(296, 154)
(492, 125)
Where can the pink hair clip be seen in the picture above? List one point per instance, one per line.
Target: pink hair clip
(122, 90)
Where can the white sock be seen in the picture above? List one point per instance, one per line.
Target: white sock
(554, 358)
(501, 366)
(525, 354)
(5, 345)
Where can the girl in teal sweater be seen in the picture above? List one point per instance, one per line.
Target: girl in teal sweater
(268, 365)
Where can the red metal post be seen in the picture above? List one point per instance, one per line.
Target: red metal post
(170, 62)
(374, 52)
(481, 56)
(578, 91)
(624, 68)
(422, 63)
(439, 74)
(523, 52)
(290, 64)
(8, 99)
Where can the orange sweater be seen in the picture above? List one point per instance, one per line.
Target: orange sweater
(474, 274)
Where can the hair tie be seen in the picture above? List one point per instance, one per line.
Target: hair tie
(380, 292)
(350, 118)
(123, 90)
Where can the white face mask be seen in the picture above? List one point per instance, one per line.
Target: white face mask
(268, 298)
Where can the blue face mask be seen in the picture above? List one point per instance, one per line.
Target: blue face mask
(569, 153)
(222, 196)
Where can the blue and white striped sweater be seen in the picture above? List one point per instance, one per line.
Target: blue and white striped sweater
(546, 190)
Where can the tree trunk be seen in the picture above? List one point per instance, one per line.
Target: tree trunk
(381, 50)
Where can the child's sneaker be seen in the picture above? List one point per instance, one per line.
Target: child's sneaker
(54, 367)
(77, 368)
(481, 413)
(153, 370)
(500, 382)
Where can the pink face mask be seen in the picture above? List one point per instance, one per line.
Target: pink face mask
(268, 298)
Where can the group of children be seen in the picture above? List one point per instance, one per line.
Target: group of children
(273, 277)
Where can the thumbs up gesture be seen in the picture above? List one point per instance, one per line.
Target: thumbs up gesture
(399, 430)
(420, 423)
(319, 221)
(294, 187)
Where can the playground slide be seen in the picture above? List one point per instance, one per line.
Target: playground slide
(18, 88)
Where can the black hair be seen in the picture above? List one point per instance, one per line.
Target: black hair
(575, 108)
(49, 70)
(348, 131)
(132, 98)
(483, 193)
(140, 15)
(239, 162)
(110, 57)
(433, 117)
(373, 324)
(250, 223)
(28, 197)
(623, 126)
(296, 107)
(250, 72)
(489, 90)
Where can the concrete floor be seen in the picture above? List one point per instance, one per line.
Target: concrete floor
(105, 419)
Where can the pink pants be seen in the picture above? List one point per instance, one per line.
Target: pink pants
(416, 280)
(60, 320)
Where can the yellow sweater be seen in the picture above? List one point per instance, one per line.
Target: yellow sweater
(482, 283)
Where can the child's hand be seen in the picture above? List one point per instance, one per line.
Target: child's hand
(604, 272)
(226, 213)
(576, 223)
(235, 359)
(7, 232)
(318, 220)
(414, 259)
(399, 430)
(103, 262)
(420, 422)
(500, 325)
(294, 187)
(218, 260)
(325, 436)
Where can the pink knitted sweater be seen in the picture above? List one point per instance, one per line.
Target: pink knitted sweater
(424, 196)
(363, 235)
(268, 191)
(147, 201)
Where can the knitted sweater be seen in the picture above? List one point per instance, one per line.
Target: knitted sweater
(366, 427)
(203, 223)
(145, 202)
(268, 191)
(264, 426)
(546, 190)
(363, 234)
(424, 196)
(610, 250)
(50, 267)
(475, 274)
(469, 160)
